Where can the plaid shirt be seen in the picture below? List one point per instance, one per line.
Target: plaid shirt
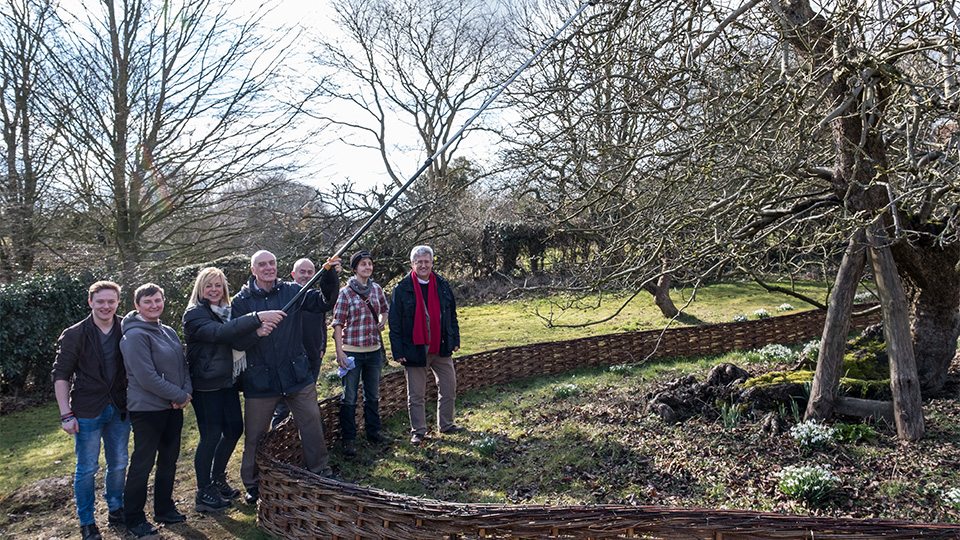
(359, 325)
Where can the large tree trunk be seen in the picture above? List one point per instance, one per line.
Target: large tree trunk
(860, 179)
(826, 381)
(932, 285)
(935, 325)
(907, 407)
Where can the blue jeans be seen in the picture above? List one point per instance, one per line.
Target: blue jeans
(368, 368)
(115, 434)
(220, 423)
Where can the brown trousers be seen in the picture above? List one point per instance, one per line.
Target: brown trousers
(446, 379)
(256, 421)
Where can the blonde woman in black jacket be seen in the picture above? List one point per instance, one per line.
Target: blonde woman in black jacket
(209, 332)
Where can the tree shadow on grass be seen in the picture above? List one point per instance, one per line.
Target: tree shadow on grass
(239, 526)
(687, 318)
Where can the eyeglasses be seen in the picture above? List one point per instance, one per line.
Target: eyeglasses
(423, 263)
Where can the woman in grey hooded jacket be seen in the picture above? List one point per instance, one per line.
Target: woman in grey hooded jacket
(158, 388)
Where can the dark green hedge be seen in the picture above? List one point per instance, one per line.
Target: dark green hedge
(35, 310)
(178, 283)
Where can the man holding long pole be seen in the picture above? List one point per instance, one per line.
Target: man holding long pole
(314, 329)
(277, 367)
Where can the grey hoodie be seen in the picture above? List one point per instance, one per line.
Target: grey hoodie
(157, 371)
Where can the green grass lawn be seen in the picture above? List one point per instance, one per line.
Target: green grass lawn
(522, 322)
(34, 447)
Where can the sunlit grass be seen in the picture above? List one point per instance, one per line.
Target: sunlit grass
(34, 447)
(512, 323)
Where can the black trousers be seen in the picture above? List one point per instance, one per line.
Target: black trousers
(156, 439)
(220, 422)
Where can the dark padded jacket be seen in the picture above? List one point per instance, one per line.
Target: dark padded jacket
(210, 344)
(277, 364)
(403, 306)
(80, 360)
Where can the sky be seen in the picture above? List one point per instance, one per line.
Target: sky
(336, 160)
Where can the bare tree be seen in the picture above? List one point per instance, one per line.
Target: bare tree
(602, 150)
(450, 221)
(771, 127)
(28, 133)
(405, 79)
(411, 64)
(165, 105)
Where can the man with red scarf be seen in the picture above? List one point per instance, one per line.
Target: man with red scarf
(424, 334)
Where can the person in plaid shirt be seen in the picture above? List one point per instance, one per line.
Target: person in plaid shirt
(359, 317)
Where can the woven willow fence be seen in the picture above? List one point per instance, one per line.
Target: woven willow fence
(295, 503)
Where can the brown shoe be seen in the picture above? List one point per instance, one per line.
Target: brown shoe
(453, 429)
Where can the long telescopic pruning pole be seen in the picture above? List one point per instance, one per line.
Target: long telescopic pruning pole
(427, 163)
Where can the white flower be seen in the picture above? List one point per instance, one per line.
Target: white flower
(808, 482)
(761, 313)
(740, 318)
(796, 473)
(811, 350)
(811, 434)
(952, 498)
(776, 353)
(566, 390)
(784, 307)
(485, 446)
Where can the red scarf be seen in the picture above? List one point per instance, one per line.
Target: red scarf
(421, 335)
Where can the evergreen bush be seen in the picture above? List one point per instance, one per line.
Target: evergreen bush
(34, 311)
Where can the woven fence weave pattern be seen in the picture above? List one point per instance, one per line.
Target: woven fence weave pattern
(295, 503)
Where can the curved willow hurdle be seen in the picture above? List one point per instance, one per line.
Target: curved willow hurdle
(295, 503)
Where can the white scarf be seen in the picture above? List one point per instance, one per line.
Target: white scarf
(239, 357)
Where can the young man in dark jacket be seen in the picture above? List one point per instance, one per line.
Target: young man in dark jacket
(91, 387)
(278, 367)
(424, 334)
